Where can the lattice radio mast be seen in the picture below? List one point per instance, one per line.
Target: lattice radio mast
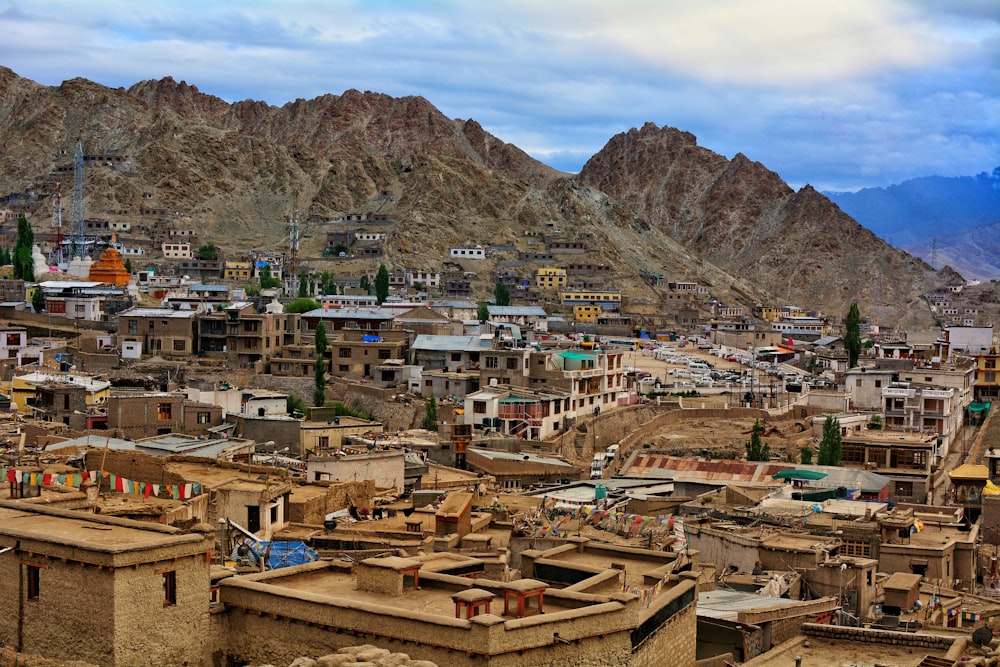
(78, 226)
(56, 236)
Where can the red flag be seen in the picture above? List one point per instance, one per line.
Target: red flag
(791, 343)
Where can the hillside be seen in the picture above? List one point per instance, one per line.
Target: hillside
(650, 201)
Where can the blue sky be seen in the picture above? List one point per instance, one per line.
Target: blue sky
(841, 94)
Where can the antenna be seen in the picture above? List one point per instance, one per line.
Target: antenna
(56, 237)
(293, 247)
(934, 248)
(78, 227)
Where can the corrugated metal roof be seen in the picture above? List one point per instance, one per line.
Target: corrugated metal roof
(444, 343)
(517, 310)
(726, 604)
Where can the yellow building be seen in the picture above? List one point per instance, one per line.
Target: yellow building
(237, 270)
(587, 313)
(25, 389)
(767, 313)
(550, 278)
(609, 299)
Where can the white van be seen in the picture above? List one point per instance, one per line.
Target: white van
(698, 366)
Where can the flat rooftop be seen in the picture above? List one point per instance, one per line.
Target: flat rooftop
(429, 599)
(84, 533)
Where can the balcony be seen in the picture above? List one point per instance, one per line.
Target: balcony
(584, 373)
(938, 393)
(898, 392)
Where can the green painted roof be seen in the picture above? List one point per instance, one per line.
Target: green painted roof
(578, 355)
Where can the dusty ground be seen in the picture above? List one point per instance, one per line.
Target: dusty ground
(724, 438)
(727, 438)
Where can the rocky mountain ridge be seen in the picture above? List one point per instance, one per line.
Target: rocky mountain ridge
(652, 201)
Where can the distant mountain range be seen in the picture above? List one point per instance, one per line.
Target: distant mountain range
(944, 221)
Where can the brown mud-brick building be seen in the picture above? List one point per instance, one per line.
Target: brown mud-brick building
(160, 330)
(102, 590)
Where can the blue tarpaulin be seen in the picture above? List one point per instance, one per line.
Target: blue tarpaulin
(371, 339)
(286, 553)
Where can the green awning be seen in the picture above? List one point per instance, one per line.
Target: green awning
(578, 355)
(800, 474)
(978, 406)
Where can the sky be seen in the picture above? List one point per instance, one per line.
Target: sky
(839, 94)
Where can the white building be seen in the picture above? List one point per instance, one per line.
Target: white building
(477, 252)
(177, 250)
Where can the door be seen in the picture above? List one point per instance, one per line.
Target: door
(253, 518)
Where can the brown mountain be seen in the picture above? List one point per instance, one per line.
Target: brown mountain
(651, 200)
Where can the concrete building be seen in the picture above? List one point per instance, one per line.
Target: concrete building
(158, 331)
(385, 467)
(914, 408)
(987, 385)
(356, 353)
(103, 590)
(245, 337)
(142, 415)
(909, 460)
(42, 390)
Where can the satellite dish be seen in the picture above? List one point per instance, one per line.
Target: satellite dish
(982, 636)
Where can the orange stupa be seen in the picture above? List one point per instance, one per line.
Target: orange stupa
(110, 269)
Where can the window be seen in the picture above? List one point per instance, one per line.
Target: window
(492, 362)
(163, 410)
(512, 364)
(344, 353)
(169, 588)
(34, 579)
(343, 368)
(180, 345)
(456, 356)
(904, 489)
(204, 417)
(878, 384)
(479, 407)
(990, 378)
(856, 548)
(384, 354)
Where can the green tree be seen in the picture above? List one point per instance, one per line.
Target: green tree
(303, 286)
(482, 311)
(757, 449)
(38, 300)
(295, 405)
(419, 286)
(431, 415)
(128, 265)
(875, 423)
(830, 446)
(302, 306)
(382, 284)
(267, 281)
(365, 284)
(806, 455)
(23, 266)
(207, 252)
(501, 294)
(319, 393)
(319, 339)
(5, 258)
(852, 336)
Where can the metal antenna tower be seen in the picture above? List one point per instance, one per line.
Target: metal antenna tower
(293, 247)
(934, 253)
(78, 226)
(56, 236)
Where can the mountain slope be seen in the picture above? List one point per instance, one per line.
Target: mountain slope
(650, 201)
(744, 218)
